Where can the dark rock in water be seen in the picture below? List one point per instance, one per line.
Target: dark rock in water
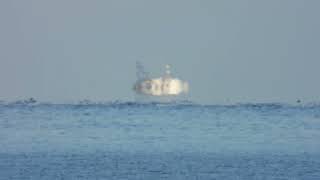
(30, 101)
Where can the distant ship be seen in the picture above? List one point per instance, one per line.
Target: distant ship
(161, 86)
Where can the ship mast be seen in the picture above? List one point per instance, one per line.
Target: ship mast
(168, 71)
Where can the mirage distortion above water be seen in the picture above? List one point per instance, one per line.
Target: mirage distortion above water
(166, 85)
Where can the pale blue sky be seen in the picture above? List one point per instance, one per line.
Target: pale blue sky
(229, 50)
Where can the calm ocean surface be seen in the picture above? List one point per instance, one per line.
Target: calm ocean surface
(159, 141)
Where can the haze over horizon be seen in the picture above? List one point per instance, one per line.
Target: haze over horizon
(229, 51)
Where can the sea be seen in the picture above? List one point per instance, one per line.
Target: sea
(153, 141)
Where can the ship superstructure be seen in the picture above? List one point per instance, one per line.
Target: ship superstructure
(162, 86)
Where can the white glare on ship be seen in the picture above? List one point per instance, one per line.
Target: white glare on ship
(167, 85)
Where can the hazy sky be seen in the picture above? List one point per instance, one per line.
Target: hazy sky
(229, 50)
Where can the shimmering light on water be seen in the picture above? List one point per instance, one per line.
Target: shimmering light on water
(159, 141)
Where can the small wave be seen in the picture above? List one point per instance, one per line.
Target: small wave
(88, 103)
(181, 103)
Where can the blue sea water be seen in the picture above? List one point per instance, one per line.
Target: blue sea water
(127, 140)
